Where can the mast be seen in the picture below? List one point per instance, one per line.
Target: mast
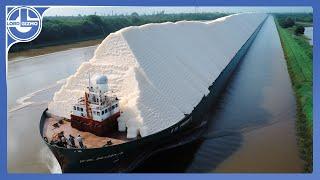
(86, 95)
(88, 108)
(89, 82)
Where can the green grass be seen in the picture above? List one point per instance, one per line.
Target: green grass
(299, 55)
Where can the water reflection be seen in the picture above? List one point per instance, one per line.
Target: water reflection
(309, 33)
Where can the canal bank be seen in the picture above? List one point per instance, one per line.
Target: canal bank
(299, 56)
(20, 55)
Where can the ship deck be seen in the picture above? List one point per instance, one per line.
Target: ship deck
(89, 140)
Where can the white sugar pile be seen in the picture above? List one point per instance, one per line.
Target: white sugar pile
(160, 71)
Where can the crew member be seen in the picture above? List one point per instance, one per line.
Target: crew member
(80, 141)
(69, 145)
(71, 139)
(64, 140)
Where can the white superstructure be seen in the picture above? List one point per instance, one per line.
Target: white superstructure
(96, 104)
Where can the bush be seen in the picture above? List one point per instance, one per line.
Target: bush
(299, 30)
(286, 23)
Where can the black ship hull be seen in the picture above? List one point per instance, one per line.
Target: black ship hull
(125, 157)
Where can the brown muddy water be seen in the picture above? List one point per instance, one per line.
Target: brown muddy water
(251, 129)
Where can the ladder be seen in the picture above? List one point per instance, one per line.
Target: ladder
(88, 108)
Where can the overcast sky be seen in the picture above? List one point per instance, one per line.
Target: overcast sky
(116, 10)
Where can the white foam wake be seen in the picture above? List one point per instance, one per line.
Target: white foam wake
(52, 163)
(26, 100)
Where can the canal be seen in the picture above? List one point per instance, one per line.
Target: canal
(251, 129)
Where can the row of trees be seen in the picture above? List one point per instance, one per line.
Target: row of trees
(298, 17)
(60, 30)
(291, 20)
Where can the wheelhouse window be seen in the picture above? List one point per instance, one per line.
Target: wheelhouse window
(74, 108)
(78, 109)
(81, 109)
(98, 113)
(102, 113)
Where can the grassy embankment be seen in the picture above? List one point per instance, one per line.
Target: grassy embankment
(298, 53)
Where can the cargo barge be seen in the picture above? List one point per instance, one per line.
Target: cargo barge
(123, 155)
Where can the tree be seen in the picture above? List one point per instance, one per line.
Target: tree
(135, 14)
(288, 22)
(299, 30)
(135, 18)
(97, 21)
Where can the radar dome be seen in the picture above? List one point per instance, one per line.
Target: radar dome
(102, 79)
(102, 83)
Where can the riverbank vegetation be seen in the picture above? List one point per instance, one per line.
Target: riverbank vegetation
(70, 29)
(299, 56)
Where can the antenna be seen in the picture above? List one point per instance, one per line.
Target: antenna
(89, 81)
